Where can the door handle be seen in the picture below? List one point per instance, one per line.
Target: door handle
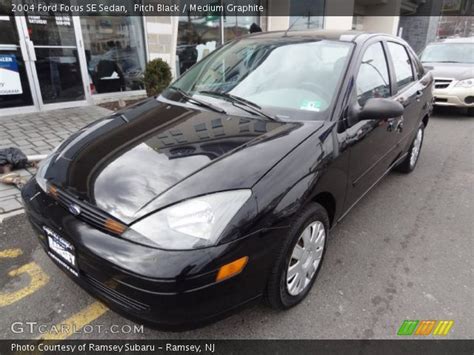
(419, 94)
(400, 124)
(391, 124)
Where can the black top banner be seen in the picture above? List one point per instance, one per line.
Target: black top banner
(238, 7)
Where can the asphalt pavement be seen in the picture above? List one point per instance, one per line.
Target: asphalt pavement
(404, 253)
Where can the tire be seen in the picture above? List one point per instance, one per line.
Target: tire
(408, 165)
(278, 293)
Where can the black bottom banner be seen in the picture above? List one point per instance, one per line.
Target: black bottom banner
(385, 347)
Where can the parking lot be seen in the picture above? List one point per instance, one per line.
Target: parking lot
(405, 252)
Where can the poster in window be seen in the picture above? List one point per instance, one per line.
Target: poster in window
(10, 83)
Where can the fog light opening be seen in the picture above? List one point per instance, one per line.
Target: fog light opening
(231, 269)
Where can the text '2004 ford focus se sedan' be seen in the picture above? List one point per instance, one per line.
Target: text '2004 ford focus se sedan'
(224, 188)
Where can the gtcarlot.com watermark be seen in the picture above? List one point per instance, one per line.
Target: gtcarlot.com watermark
(59, 329)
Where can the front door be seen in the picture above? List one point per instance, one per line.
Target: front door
(374, 142)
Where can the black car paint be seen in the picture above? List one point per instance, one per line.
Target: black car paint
(286, 164)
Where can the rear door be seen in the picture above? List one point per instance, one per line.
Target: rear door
(409, 91)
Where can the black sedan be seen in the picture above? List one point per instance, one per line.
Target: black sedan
(224, 189)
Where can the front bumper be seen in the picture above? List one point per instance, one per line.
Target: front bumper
(454, 96)
(170, 289)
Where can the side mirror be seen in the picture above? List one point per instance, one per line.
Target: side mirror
(379, 109)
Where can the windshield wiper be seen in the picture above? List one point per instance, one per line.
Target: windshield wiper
(251, 107)
(197, 101)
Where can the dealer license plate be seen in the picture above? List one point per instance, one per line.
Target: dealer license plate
(60, 247)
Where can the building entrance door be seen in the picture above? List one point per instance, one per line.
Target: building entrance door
(42, 63)
(56, 59)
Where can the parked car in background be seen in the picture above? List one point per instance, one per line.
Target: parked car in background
(452, 64)
(222, 190)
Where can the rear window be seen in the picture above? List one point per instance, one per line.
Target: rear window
(401, 63)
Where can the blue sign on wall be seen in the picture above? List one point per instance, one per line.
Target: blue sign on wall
(10, 82)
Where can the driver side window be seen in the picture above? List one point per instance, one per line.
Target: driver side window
(373, 80)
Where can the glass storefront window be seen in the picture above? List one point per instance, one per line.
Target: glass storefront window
(200, 35)
(115, 52)
(14, 86)
(59, 74)
(312, 10)
(197, 37)
(237, 26)
(51, 30)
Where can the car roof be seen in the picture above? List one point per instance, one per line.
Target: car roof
(456, 40)
(335, 35)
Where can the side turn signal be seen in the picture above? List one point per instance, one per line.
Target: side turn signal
(231, 269)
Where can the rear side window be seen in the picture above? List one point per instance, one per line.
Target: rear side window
(402, 64)
(373, 79)
(419, 67)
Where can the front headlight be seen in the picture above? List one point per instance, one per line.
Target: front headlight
(42, 167)
(191, 224)
(40, 174)
(466, 83)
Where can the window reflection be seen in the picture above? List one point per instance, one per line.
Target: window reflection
(210, 139)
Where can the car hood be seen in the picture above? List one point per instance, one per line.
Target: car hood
(157, 153)
(458, 71)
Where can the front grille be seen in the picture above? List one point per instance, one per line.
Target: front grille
(437, 99)
(442, 83)
(89, 214)
(116, 296)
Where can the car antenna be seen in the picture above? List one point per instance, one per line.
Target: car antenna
(291, 26)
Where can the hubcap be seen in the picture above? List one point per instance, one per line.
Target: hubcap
(305, 258)
(415, 151)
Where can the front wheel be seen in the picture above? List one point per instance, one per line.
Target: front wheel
(299, 260)
(409, 163)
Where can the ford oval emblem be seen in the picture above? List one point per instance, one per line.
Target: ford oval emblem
(75, 210)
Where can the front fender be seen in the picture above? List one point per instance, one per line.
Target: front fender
(310, 169)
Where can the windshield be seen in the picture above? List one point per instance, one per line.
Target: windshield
(295, 78)
(449, 53)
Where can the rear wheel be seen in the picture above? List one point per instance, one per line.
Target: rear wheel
(409, 163)
(299, 261)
